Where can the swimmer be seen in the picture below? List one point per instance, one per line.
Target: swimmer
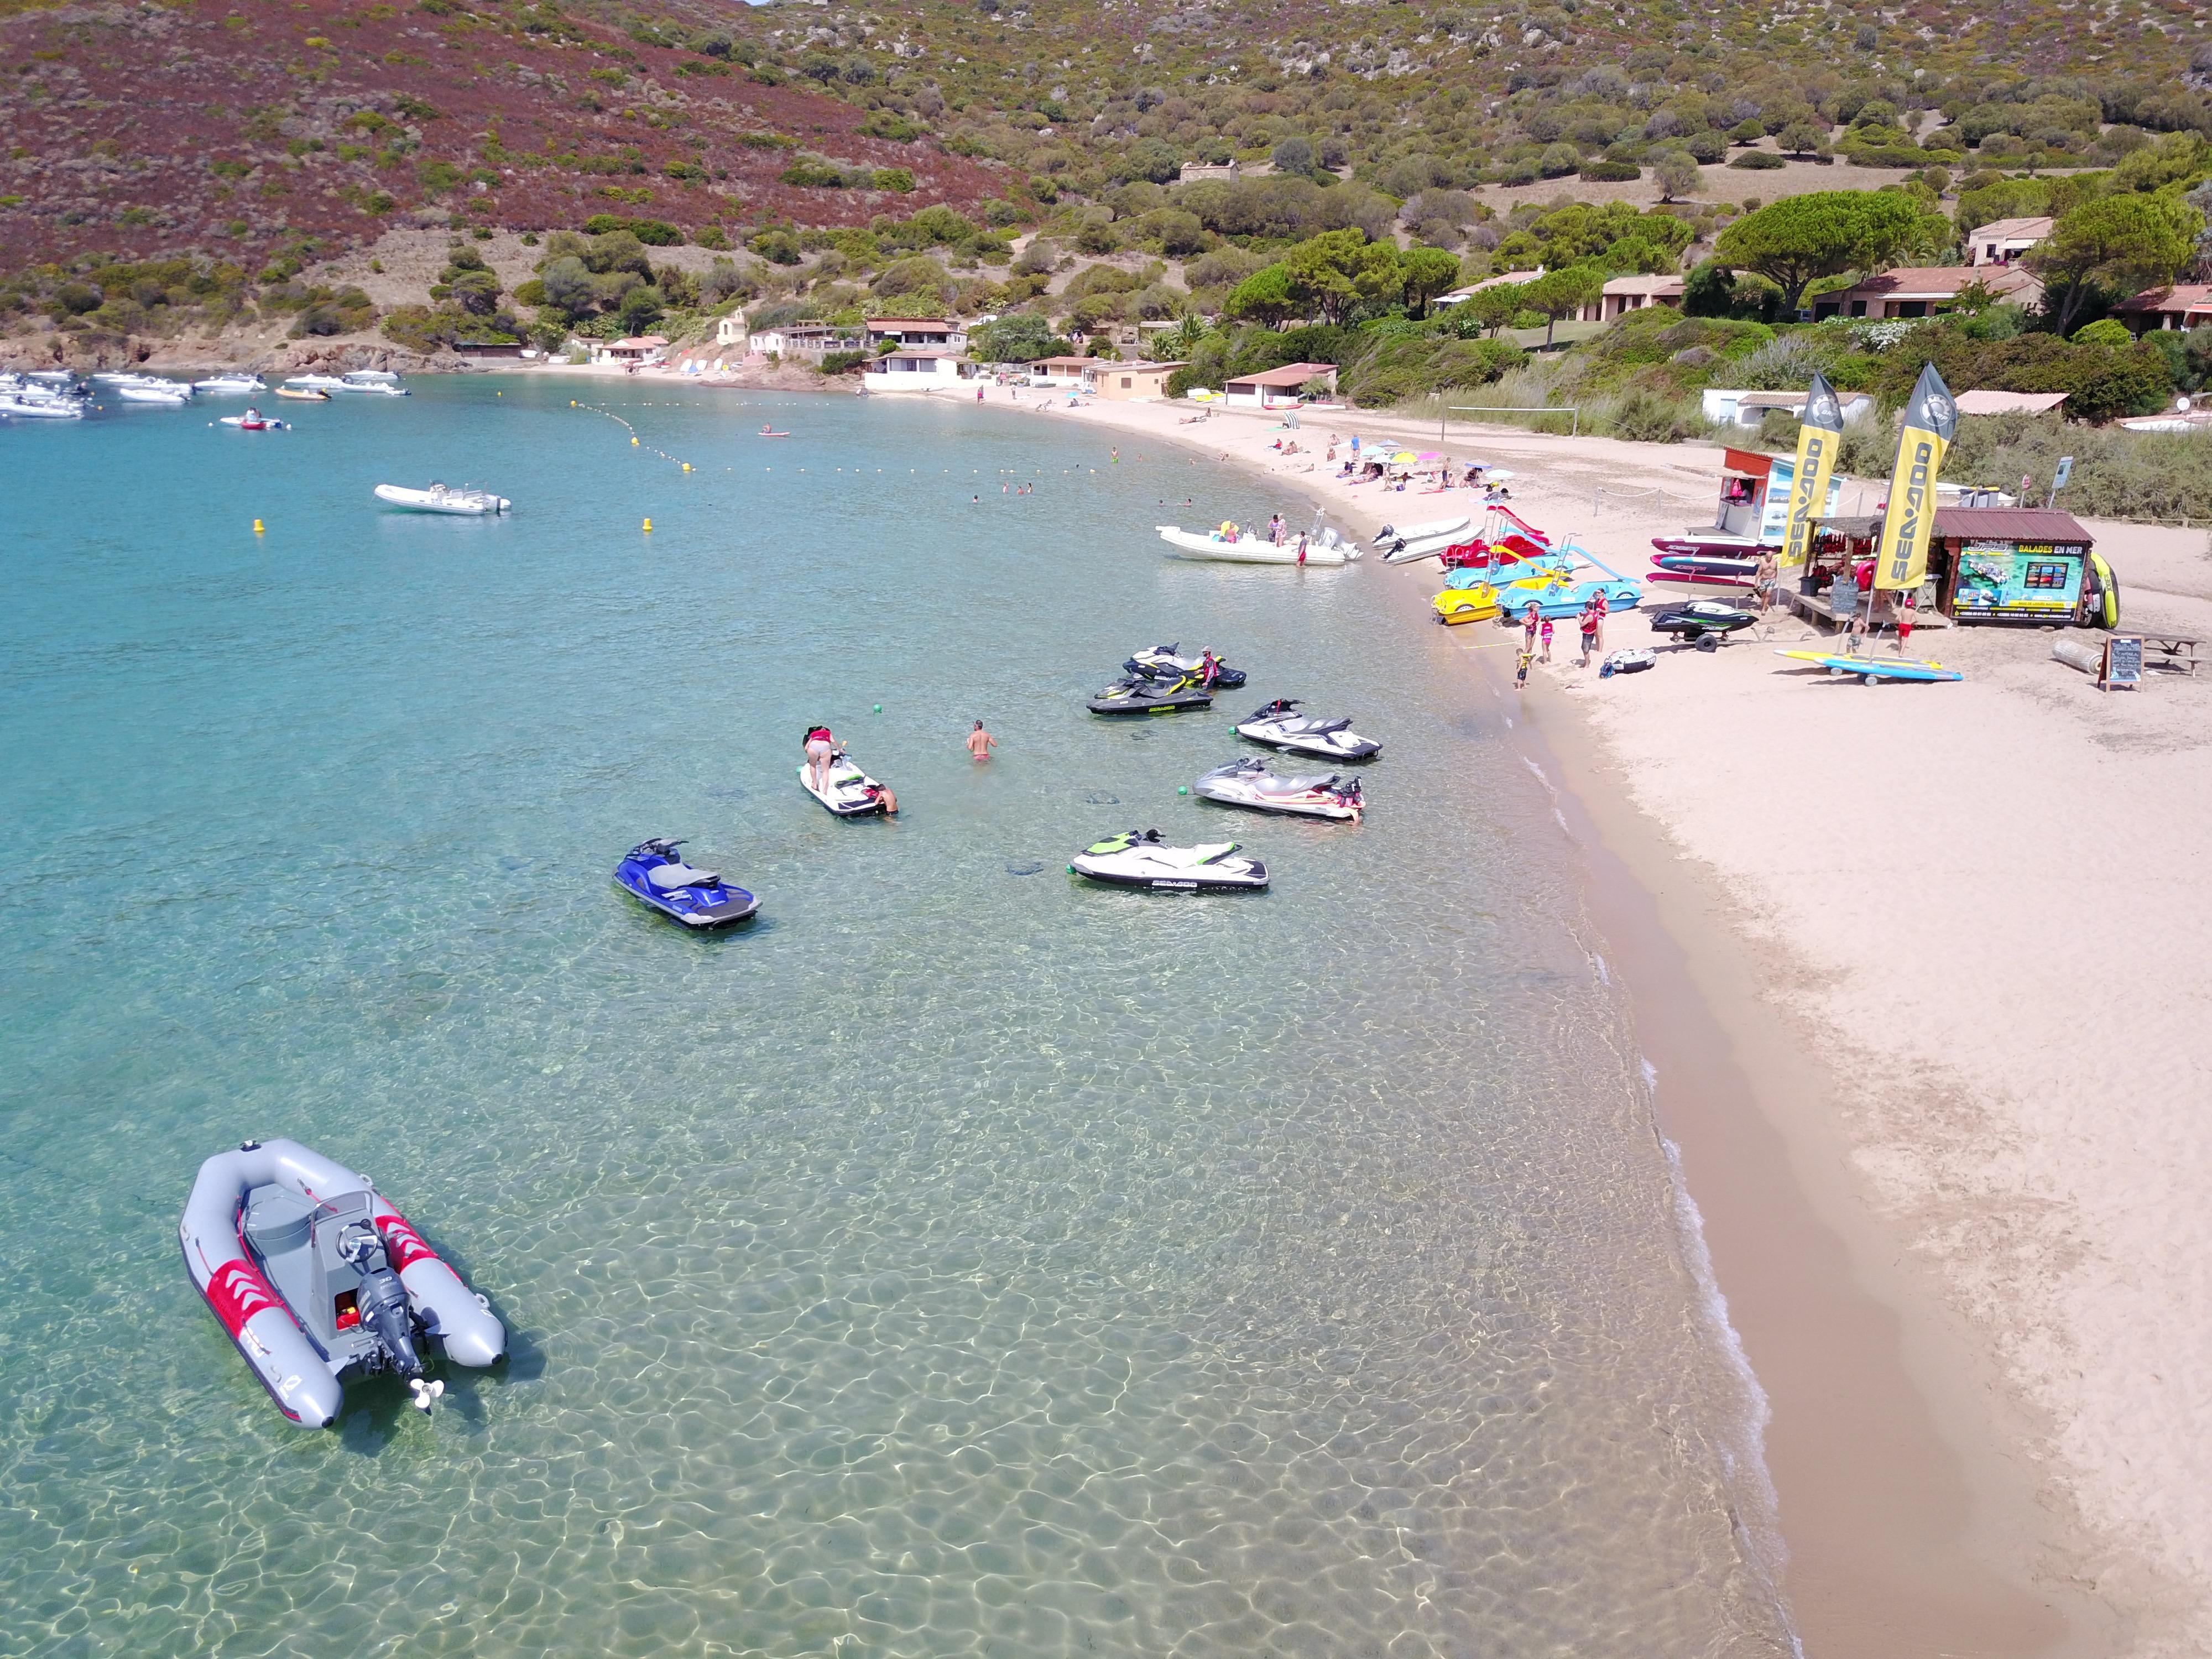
(981, 743)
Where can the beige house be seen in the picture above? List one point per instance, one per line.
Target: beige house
(2187, 305)
(1060, 371)
(1626, 293)
(1923, 291)
(1276, 385)
(638, 350)
(1127, 382)
(937, 331)
(2005, 241)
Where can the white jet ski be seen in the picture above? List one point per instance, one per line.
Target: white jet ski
(1141, 859)
(1248, 783)
(443, 498)
(851, 793)
(315, 1278)
(1279, 725)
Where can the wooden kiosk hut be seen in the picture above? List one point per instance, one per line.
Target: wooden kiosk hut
(1984, 564)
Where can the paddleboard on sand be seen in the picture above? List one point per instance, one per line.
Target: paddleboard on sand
(1876, 668)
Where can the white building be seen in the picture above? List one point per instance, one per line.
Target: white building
(2005, 241)
(919, 369)
(1725, 408)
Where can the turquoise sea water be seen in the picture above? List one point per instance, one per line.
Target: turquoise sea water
(958, 1261)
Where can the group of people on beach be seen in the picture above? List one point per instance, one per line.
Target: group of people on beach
(1536, 631)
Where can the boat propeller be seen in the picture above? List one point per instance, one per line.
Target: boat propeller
(423, 1396)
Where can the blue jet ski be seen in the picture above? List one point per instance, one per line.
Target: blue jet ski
(652, 871)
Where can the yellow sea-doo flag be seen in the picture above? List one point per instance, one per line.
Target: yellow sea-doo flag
(1931, 420)
(1819, 435)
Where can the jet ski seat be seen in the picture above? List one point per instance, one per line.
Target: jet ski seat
(1206, 852)
(672, 878)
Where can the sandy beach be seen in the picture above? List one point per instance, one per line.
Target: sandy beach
(1947, 1133)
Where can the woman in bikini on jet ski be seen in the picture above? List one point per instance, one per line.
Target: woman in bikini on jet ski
(820, 746)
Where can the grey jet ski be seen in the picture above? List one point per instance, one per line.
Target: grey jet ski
(1248, 782)
(1701, 620)
(1280, 725)
(1141, 859)
(315, 1278)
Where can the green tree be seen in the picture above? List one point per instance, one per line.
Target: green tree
(1558, 294)
(1492, 308)
(1792, 242)
(1266, 296)
(1333, 273)
(1153, 159)
(2114, 241)
(1022, 336)
(1294, 154)
(1427, 272)
(1677, 174)
(1802, 138)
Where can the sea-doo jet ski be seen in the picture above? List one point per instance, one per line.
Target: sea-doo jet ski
(655, 873)
(1280, 725)
(1135, 693)
(317, 1278)
(1703, 619)
(850, 793)
(1248, 782)
(1162, 661)
(1141, 859)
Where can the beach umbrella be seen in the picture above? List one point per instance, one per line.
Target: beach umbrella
(1404, 457)
(1430, 455)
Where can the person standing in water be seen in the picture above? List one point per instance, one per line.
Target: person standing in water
(981, 743)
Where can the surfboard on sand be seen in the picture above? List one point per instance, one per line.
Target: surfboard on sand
(1876, 668)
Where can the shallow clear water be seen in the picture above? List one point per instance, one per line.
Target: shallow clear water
(957, 1261)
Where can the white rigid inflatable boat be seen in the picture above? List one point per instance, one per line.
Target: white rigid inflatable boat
(1322, 550)
(315, 1276)
(444, 498)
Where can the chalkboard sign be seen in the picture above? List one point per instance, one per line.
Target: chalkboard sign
(2123, 662)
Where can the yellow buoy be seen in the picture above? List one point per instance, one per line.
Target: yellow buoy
(648, 526)
(256, 527)
(687, 466)
(633, 443)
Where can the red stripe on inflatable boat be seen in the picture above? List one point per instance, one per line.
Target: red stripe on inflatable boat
(402, 1243)
(237, 1292)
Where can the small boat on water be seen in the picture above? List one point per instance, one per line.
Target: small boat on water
(252, 421)
(172, 394)
(316, 1278)
(1141, 859)
(653, 873)
(443, 498)
(231, 385)
(1235, 548)
(769, 432)
(377, 382)
(23, 406)
(305, 394)
(1249, 783)
(316, 382)
(1279, 725)
(848, 791)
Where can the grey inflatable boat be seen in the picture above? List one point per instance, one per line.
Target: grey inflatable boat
(316, 1278)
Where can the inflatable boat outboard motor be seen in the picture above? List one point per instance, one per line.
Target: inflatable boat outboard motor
(316, 1278)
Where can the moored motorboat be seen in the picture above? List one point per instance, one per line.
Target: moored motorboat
(443, 498)
(317, 1278)
(1139, 694)
(231, 385)
(377, 382)
(1249, 783)
(22, 406)
(1279, 725)
(653, 873)
(1142, 859)
(1325, 549)
(169, 394)
(306, 394)
(316, 382)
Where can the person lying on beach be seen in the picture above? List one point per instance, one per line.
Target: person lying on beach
(981, 743)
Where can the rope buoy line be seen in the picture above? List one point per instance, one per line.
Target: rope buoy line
(635, 441)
